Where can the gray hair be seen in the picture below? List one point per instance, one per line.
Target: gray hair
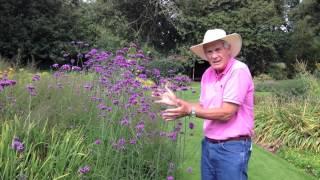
(226, 44)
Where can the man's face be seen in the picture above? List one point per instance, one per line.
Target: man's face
(217, 55)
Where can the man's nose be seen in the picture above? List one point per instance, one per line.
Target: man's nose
(213, 55)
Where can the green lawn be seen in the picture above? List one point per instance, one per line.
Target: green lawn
(263, 165)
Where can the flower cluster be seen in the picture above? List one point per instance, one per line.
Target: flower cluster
(84, 170)
(5, 82)
(17, 145)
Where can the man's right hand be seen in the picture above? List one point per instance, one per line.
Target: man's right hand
(167, 97)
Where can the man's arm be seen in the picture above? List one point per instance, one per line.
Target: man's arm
(223, 113)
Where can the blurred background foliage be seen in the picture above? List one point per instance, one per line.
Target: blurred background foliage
(274, 31)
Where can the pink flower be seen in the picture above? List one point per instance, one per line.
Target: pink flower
(170, 178)
(98, 141)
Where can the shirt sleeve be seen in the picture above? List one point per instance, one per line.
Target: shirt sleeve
(237, 86)
(202, 87)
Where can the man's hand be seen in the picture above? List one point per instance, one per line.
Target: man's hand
(183, 109)
(167, 97)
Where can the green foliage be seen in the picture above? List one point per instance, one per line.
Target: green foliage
(263, 77)
(63, 111)
(293, 116)
(305, 37)
(4, 64)
(35, 30)
(278, 73)
(45, 149)
(307, 160)
(283, 88)
(259, 27)
(304, 84)
(70, 111)
(145, 21)
(107, 40)
(294, 124)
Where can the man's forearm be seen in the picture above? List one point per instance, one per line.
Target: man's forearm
(223, 113)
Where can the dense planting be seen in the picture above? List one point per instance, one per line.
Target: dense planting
(94, 121)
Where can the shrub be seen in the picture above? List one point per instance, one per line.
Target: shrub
(278, 71)
(263, 77)
(110, 128)
(284, 88)
(293, 123)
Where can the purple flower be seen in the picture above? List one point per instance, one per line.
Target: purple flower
(36, 77)
(133, 45)
(142, 76)
(98, 69)
(55, 65)
(17, 145)
(172, 135)
(91, 53)
(191, 125)
(98, 141)
(161, 134)
(76, 68)
(7, 82)
(120, 145)
(170, 178)
(140, 126)
(125, 49)
(156, 72)
(65, 67)
(120, 52)
(139, 55)
(133, 141)
(31, 89)
(88, 86)
(101, 106)
(12, 82)
(79, 55)
(115, 102)
(124, 122)
(97, 99)
(84, 170)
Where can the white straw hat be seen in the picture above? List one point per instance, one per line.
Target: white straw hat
(211, 35)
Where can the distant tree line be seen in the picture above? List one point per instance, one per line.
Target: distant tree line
(272, 30)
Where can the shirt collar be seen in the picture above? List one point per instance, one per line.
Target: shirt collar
(230, 63)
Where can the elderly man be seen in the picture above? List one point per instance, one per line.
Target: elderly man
(226, 106)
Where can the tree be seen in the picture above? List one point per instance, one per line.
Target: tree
(141, 20)
(38, 29)
(257, 21)
(305, 37)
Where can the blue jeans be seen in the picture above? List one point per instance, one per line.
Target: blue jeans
(225, 161)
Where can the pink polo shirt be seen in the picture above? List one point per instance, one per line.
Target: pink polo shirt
(234, 85)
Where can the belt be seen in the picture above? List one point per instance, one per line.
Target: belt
(239, 138)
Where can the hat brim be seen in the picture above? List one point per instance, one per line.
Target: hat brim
(234, 40)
